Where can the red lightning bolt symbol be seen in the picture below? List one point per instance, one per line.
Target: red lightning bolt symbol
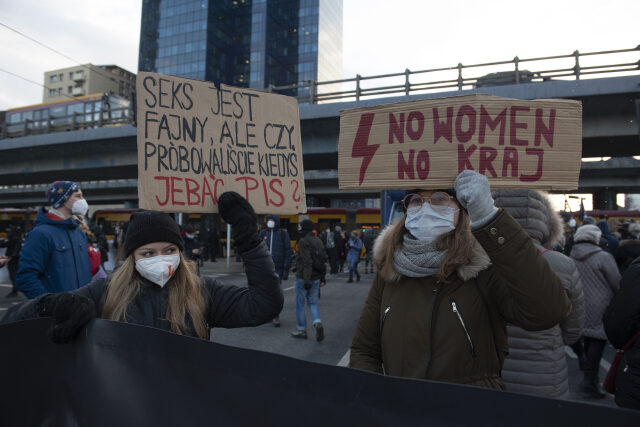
(361, 147)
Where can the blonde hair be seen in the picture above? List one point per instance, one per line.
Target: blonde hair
(185, 296)
(459, 244)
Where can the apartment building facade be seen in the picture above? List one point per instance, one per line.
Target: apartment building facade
(87, 79)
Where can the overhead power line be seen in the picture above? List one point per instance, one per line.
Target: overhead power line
(36, 83)
(40, 43)
(96, 69)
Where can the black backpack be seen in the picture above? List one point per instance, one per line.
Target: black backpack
(318, 261)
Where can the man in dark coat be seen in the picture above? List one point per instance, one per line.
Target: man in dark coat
(214, 244)
(307, 286)
(612, 241)
(629, 248)
(279, 245)
(101, 241)
(329, 241)
(340, 245)
(191, 245)
(12, 256)
(621, 323)
(368, 239)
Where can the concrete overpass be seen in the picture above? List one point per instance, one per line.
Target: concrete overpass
(105, 159)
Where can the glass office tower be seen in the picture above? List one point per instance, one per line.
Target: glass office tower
(250, 43)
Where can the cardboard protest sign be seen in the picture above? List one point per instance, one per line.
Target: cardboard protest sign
(426, 143)
(196, 141)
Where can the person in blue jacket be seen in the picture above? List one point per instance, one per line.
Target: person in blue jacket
(354, 247)
(279, 245)
(55, 254)
(612, 241)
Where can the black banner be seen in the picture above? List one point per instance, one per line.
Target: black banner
(116, 374)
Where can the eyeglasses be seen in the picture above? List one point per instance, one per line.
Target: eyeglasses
(438, 201)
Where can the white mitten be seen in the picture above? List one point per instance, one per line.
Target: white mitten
(474, 194)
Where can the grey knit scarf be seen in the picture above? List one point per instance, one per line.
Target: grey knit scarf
(416, 258)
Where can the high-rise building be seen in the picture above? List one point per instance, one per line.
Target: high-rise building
(86, 80)
(248, 43)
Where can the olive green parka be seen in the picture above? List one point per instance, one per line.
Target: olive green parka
(455, 330)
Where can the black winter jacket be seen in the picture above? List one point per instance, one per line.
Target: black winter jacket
(304, 267)
(225, 306)
(621, 322)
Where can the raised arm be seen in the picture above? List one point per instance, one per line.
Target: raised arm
(258, 303)
(261, 300)
(524, 289)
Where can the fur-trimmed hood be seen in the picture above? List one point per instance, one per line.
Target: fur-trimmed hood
(587, 233)
(479, 261)
(534, 212)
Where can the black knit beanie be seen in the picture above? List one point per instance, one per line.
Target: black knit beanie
(306, 225)
(149, 227)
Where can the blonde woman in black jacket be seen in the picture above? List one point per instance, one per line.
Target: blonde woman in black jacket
(156, 287)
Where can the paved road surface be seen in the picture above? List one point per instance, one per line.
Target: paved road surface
(340, 306)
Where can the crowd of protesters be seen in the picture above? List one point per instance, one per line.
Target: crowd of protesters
(509, 283)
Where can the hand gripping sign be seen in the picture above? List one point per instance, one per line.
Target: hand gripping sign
(426, 143)
(196, 141)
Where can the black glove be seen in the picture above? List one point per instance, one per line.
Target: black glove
(285, 273)
(70, 313)
(235, 210)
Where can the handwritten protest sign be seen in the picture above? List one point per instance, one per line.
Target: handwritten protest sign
(426, 143)
(196, 141)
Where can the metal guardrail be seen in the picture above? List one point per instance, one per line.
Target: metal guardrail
(571, 66)
(75, 121)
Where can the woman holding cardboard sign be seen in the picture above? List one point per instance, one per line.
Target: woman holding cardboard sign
(451, 274)
(156, 287)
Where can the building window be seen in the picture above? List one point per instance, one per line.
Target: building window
(61, 76)
(70, 75)
(69, 89)
(52, 92)
(53, 78)
(60, 90)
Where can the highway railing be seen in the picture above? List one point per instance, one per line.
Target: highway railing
(571, 66)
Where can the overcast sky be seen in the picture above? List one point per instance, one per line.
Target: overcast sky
(380, 36)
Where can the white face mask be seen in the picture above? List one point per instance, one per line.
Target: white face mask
(158, 269)
(426, 224)
(271, 223)
(80, 207)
